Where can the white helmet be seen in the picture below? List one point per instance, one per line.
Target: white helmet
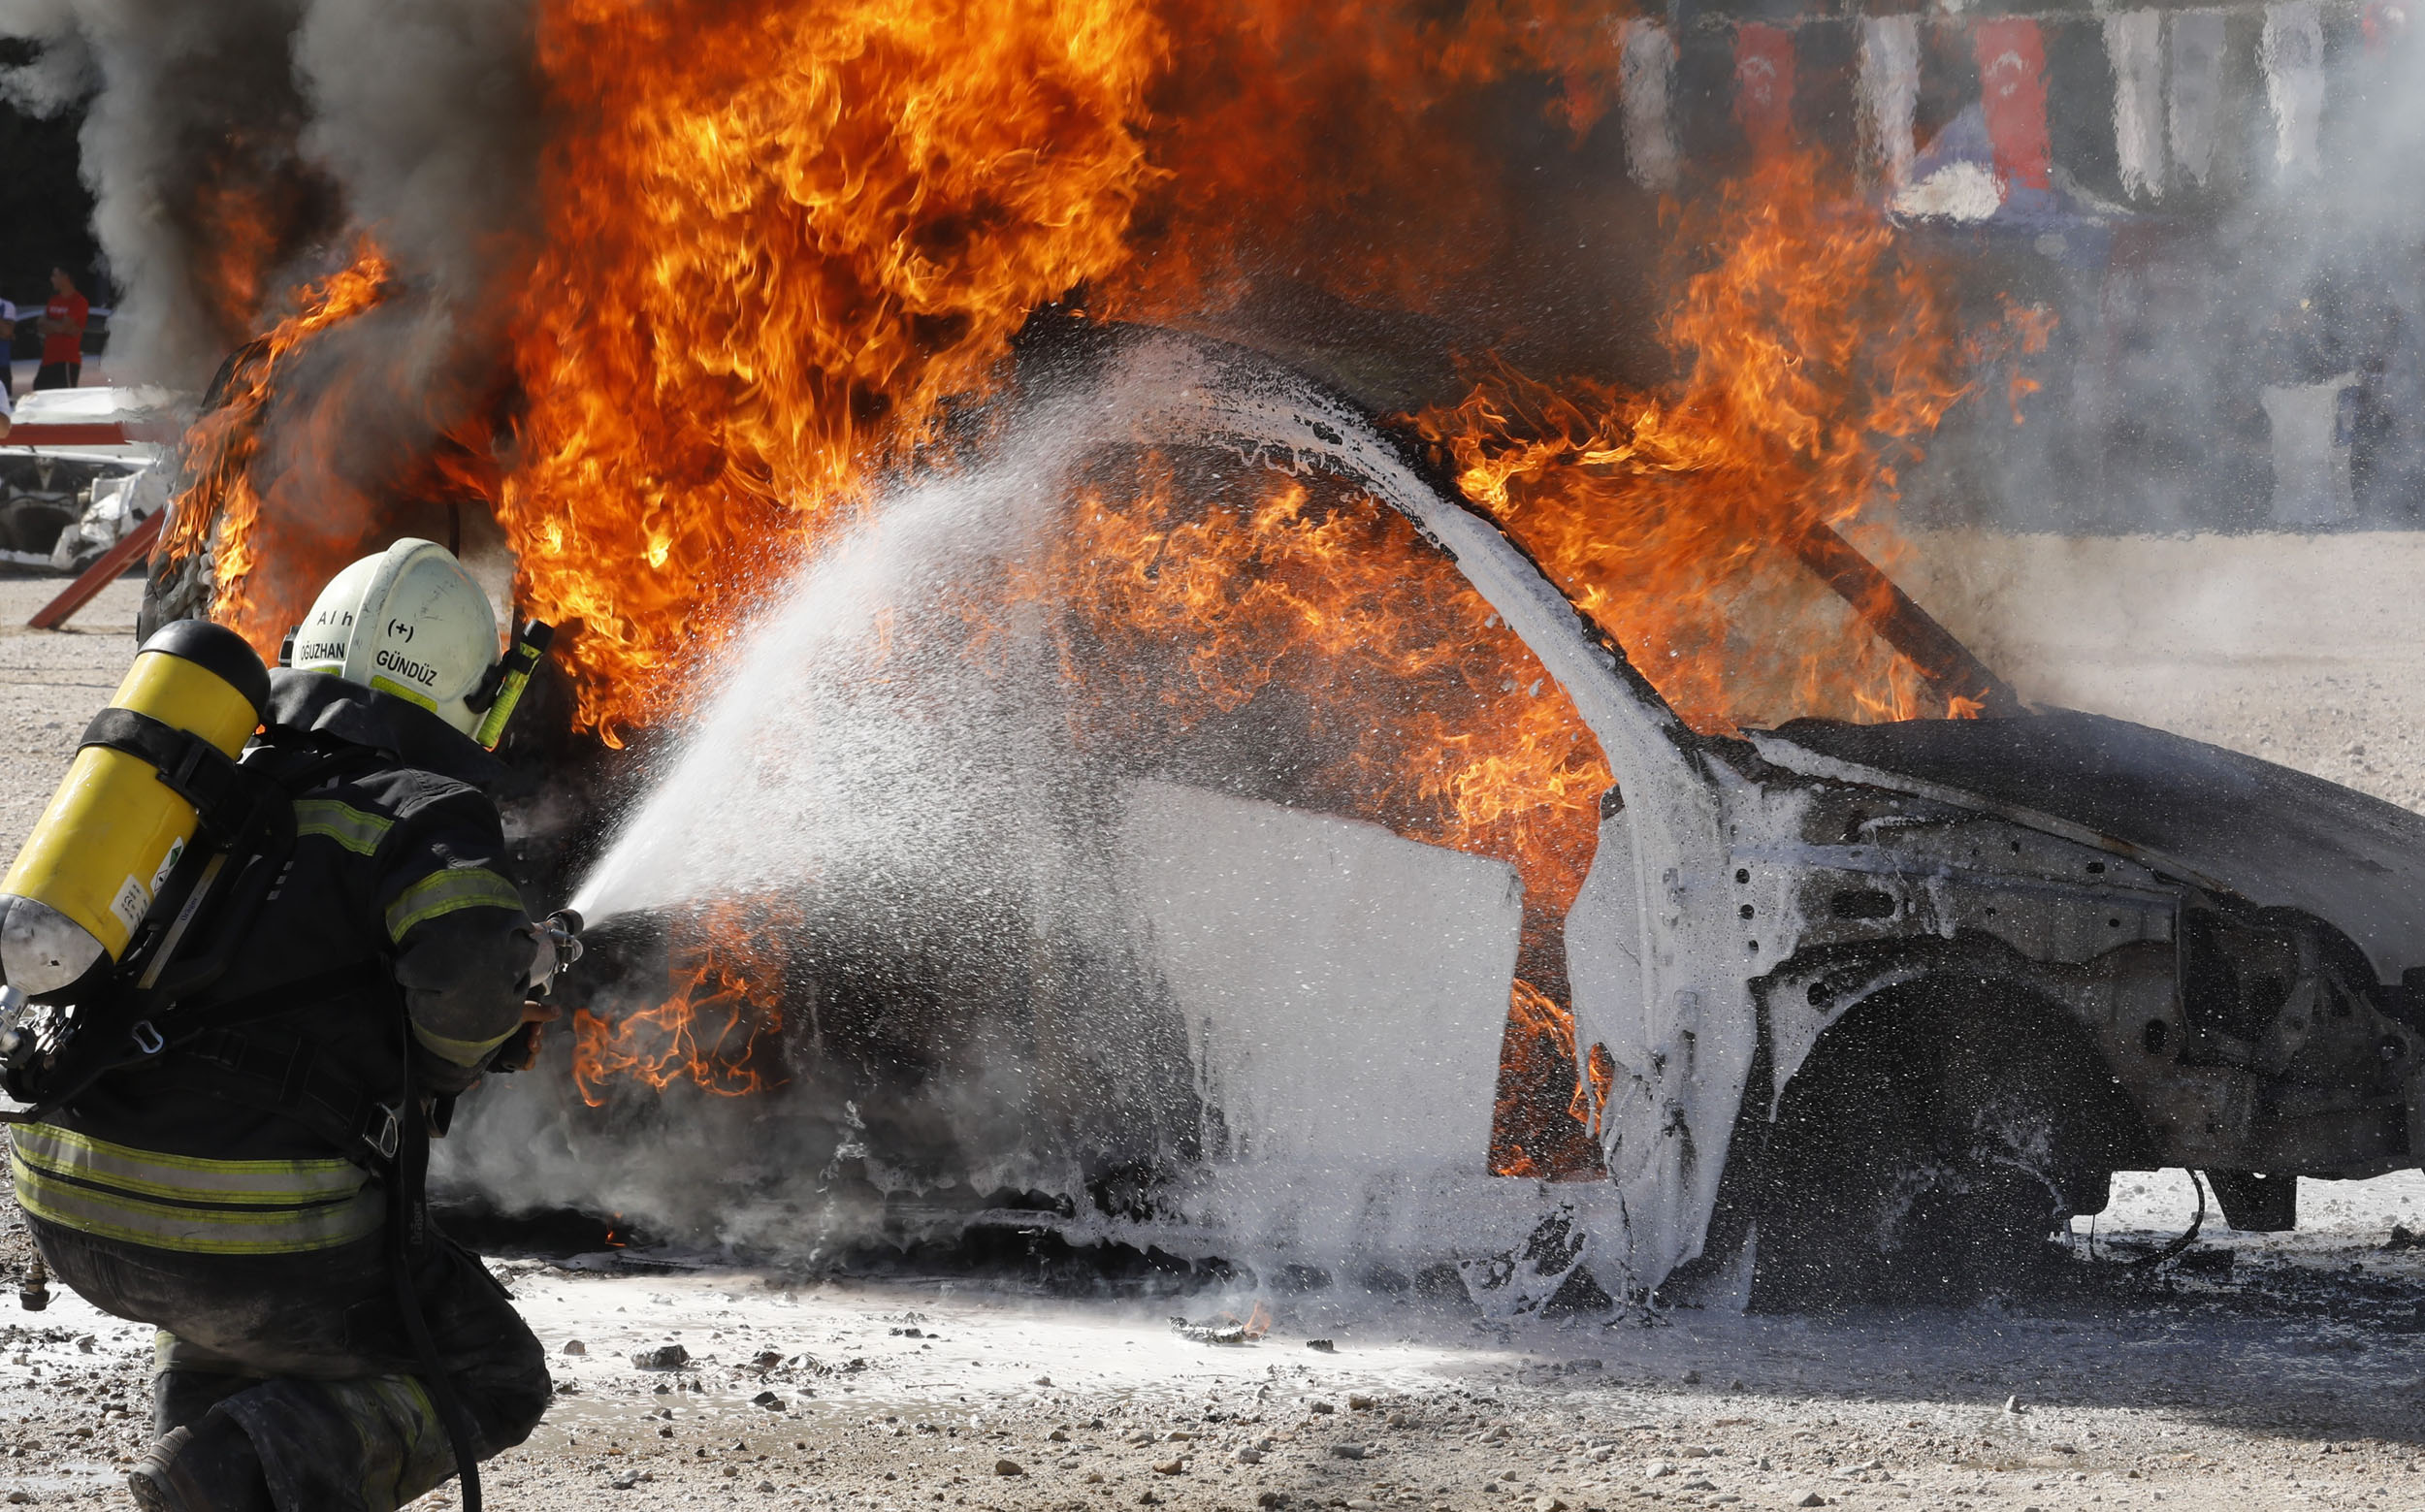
(408, 621)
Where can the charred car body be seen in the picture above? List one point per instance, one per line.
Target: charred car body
(1889, 1003)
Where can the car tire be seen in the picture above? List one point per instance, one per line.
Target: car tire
(1930, 1147)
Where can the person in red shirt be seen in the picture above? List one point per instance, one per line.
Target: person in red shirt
(62, 334)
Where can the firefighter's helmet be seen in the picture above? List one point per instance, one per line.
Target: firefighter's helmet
(408, 621)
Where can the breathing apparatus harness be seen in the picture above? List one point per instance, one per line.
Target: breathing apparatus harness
(137, 1011)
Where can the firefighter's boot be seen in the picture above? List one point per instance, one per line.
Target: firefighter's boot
(207, 1467)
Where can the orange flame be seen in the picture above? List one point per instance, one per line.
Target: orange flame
(220, 505)
(778, 239)
(1810, 354)
(1426, 712)
(718, 1030)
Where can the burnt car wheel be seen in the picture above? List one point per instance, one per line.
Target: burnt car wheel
(1930, 1147)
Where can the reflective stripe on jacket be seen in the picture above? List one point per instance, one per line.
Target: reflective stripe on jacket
(188, 1204)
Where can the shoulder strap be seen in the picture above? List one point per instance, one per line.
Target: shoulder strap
(190, 766)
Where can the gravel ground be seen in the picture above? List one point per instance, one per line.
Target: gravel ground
(2274, 1370)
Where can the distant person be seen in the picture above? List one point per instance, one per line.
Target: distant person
(8, 346)
(62, 334)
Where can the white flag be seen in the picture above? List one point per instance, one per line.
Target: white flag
(2197, 91)
(1889, 88)
(2293, 54)
(2134, 42)
(1646, 64)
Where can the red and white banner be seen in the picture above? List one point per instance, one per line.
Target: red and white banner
(1763, 88)
(2012, 93)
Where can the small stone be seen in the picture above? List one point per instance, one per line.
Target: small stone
(1347, 1451)
(1169, 1467)
(1271, 1499)
(1657, 1469)
(1059, 1436)
(1400, 1420)
(1694, 1452)
(1812, 1499)
(1044, 1381)
(2064, 1448)
(1323, 1408)
(1249, 1457)
(1692, 1377)
(665, 1357)
(573, 1346)
(1360, 1403)
(767, 1399)
(1094, 1477)
(1321, 1346)
(1548, 1504)
(1007, 1468)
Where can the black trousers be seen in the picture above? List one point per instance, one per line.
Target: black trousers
(308, 1355)
(59, 375)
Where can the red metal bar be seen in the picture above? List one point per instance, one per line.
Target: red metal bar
(136, 543)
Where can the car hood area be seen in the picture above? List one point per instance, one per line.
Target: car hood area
(2214, 816)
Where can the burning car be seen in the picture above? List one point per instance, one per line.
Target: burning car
(1822, 1011)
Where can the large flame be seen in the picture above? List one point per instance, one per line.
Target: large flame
(1810, 352)
(220, 505)
(778, 239)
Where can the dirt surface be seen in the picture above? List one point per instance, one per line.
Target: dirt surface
(2267, 1371)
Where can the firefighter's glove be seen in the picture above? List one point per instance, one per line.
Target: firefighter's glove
(521, 1048)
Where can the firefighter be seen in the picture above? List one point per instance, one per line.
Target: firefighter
(254, 1191)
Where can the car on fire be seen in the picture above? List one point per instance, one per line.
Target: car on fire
(1872, 1010)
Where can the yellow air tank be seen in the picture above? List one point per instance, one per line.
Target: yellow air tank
(116, 828)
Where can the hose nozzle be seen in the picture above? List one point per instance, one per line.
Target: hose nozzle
(563, 928)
